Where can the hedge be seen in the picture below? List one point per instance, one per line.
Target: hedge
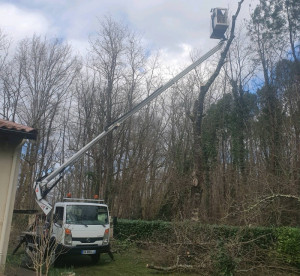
(144, 230)
(141, 230)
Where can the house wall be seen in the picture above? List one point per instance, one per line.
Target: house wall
(9, 169)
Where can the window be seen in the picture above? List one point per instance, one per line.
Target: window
(58, 215)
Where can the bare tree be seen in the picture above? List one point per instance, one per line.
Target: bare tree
(107, 51)
(41, 250)
(6, 101)
(4, 46)
(47, 71)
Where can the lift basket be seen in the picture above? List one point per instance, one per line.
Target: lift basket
(219, 22)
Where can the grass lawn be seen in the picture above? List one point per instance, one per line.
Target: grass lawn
(129, 260)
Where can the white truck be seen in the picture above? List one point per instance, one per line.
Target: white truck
(76, 227)
(82, 226)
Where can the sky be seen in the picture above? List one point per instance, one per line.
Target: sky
(175, 27)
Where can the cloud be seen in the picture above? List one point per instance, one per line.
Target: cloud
(165, 25)
(80, 47)
(19, 23)
(170, 23)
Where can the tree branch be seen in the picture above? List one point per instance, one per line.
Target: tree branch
(269, 198)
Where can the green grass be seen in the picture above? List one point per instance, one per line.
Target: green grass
(125, 263)
(129, 261)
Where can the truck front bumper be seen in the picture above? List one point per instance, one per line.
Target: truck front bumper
(77, 250)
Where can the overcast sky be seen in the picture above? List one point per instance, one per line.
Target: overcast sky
(173, 26)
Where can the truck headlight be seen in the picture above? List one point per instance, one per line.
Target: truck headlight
(106, 237)
(68, 237)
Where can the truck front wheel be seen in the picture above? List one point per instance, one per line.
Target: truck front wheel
(95, 258)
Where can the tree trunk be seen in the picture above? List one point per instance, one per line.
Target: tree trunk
(199, 190)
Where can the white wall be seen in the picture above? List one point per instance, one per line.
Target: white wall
(9, 170)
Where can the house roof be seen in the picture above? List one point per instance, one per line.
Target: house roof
(14, 129)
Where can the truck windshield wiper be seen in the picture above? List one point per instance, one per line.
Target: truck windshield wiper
(81, 223)
(76, 222)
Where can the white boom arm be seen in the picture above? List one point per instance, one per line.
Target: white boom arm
(43, 186)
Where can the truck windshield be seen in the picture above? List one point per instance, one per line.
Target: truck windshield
(87, 215)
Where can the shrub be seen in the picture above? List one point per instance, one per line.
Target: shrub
(224, 263)
(288, 245)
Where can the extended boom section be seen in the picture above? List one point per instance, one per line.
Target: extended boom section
(43, 186)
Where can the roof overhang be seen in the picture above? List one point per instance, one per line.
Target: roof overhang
(10, 131)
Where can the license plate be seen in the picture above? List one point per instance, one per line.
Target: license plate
(88, 252)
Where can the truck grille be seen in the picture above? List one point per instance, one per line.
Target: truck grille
(84, 245)
(87, 240)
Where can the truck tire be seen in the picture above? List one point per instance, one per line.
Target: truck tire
(95, 258)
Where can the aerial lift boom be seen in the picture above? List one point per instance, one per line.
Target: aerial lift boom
(44, 185)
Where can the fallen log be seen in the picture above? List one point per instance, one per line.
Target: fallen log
(173, 268)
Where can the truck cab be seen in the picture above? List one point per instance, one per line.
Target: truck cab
(81, 227)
